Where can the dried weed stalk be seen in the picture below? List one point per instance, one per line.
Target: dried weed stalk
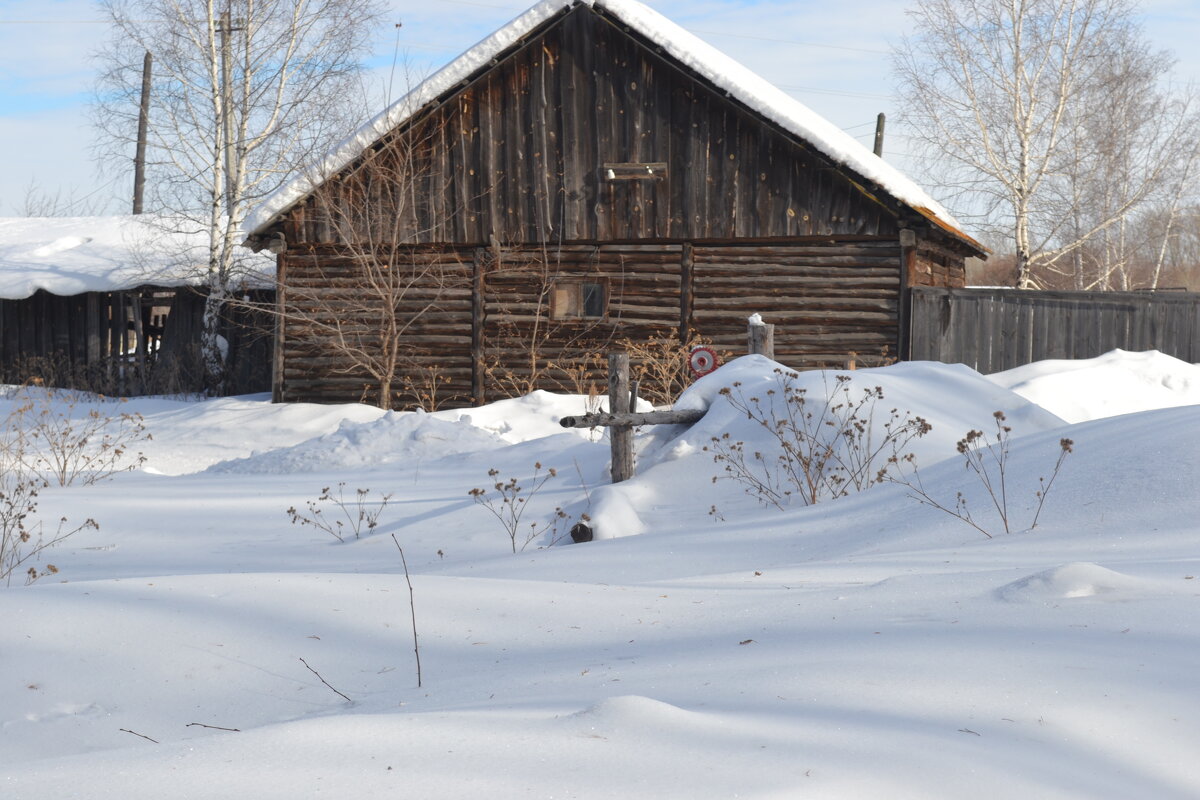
(826, 448)
(24, 537)
(987, 458)
(426, 385)
(660, 365)
(41, 442)
(61, 446)
(348, 515)
(510, 502)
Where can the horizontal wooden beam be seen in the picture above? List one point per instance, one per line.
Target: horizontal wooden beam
(683, 417)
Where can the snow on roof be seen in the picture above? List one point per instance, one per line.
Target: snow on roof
(73, 255)
(725, 73)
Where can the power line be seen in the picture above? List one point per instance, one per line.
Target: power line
(435, 48)
(835, 92)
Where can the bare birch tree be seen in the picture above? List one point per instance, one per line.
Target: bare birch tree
(1046, 118)
(244, 92)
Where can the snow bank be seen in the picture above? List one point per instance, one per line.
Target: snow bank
(1078, 581)
(389, 440)
(532, 416)
(1119, 382)
(953, 398)
(866, 647)
(398, 437)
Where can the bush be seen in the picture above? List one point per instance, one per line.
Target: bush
(827, 447)
(59, 446)
(988, 460)
(660, 365)
(23, 536)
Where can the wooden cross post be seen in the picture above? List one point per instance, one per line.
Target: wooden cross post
(619, 402)
(622, 419)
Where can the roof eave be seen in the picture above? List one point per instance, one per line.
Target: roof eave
(551, 11)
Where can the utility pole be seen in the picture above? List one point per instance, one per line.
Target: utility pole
(879, 134)
(226, 31)
(139, 160)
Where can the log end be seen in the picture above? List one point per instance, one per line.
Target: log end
(581, 532)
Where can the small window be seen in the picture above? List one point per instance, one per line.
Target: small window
(578, 300)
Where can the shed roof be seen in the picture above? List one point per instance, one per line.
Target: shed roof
(706, 61)
(73, 255)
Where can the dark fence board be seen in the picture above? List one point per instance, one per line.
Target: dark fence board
(997, 329)
(128, 342)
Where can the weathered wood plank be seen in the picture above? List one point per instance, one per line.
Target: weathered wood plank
(682, 417)
(621, 468)
(998, 329)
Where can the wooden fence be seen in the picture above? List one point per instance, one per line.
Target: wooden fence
(141, 341)
(997, 329)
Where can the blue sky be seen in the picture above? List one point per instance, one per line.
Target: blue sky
(831, 56)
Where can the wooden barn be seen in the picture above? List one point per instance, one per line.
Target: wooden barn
(113, 305)
(589, 173)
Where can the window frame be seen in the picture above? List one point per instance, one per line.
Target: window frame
(574, 294)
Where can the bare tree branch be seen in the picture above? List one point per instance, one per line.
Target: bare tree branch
(1048, 119)
(246, 91)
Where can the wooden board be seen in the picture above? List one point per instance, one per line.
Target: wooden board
(992, 330)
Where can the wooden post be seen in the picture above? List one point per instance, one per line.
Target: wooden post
(226, 29)
(277, 352)
(94, 331)
(478, 309)
(139, 160)
(139, 335)
(686, 296)
(760, 337)
(621, 436)
(908, 278)
(118, 333)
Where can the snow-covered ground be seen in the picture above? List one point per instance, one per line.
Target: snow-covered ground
(870, 646)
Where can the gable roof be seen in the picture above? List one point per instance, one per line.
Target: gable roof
(720, 70)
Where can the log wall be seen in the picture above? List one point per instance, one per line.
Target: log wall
(830, 302)
(490, 332)
(332, 321)
(525, 348)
